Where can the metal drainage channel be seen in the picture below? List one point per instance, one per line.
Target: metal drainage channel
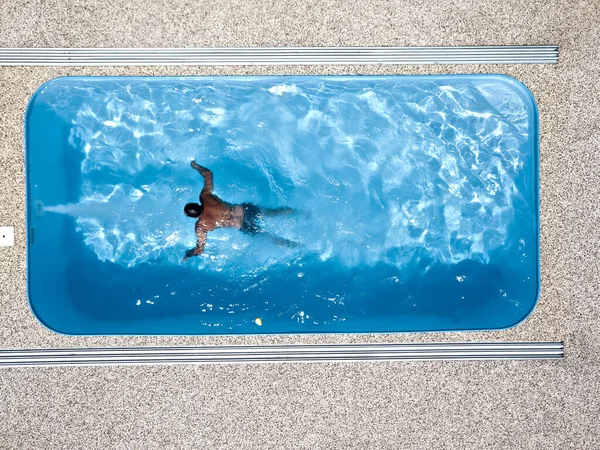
(282, 353)
(526, 54)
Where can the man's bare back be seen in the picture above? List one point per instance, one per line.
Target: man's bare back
(213, 213)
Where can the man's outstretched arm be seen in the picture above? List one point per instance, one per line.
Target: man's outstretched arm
(201, 235)
(208, 178)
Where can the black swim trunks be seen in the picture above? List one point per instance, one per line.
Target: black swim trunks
(250, 219)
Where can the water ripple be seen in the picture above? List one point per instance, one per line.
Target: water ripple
(390, 169)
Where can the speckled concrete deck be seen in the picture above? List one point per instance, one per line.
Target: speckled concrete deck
(375, 405)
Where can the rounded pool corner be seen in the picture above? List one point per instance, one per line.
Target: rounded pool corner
(41, 321)
(36, 93)
(522, 320)
(522, 87)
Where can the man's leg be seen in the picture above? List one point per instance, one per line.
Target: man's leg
(283, 211)
(278, 240)
(251, 226)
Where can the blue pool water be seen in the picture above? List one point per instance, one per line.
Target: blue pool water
(416, 199)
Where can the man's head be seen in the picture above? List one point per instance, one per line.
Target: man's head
(193, 210)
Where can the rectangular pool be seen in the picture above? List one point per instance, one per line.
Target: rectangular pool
(401, 204)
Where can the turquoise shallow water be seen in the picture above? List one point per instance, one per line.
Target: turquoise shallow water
(417, 204)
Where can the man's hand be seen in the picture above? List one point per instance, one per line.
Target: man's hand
(198, 167)
(190, 254)
(208, 178)
(199, 248)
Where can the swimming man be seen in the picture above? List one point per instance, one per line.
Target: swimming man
(212, 213)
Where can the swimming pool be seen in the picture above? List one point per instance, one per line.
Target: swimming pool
(415, 198)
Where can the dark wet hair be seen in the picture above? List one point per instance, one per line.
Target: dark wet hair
(193, 210)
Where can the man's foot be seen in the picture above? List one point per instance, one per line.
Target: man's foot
(285, 242)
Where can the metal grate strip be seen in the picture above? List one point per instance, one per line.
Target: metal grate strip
(543, 54)
(282, 353)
